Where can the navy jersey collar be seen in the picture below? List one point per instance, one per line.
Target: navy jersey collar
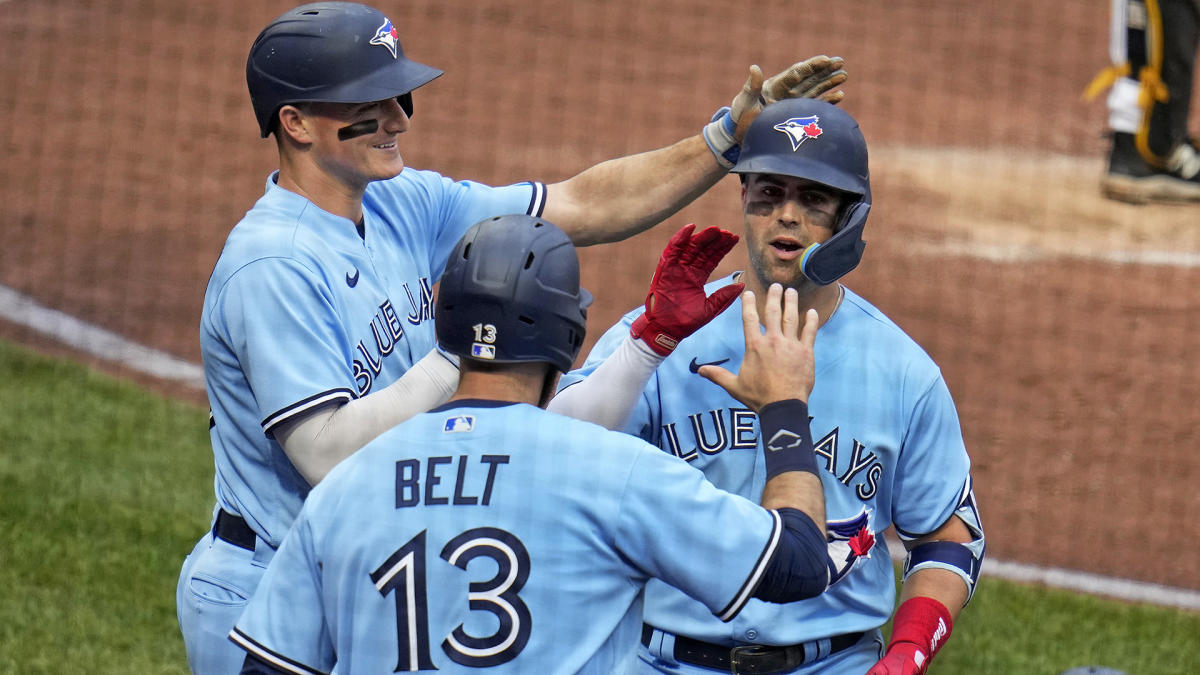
(473, 403)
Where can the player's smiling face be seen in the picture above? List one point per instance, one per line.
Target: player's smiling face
(357, 142)
(783, 216)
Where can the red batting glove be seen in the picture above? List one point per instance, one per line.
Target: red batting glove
(676, 305)
(902, 658)
(919, 630)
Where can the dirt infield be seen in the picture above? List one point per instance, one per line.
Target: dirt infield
(1066, 325)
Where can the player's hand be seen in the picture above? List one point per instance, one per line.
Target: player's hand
(779, 362)
(902, 658)
(676, 305)
(815, 77)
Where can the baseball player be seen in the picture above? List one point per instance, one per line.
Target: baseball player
(489, 533)
(316, 330)
(1153, 47)
(887, 437)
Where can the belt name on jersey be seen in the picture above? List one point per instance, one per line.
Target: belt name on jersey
(715, 431)
(424, 485)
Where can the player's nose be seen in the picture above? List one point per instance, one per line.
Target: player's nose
(395, 121)
(791, 213)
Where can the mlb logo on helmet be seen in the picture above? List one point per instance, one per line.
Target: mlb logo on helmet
(482, 351)
(387, 36)
(800, 129)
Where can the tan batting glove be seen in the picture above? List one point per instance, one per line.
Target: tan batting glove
(815, 77)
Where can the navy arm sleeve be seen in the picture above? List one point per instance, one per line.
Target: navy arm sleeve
(800, 568)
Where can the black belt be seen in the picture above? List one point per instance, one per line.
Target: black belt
(234, 530)
(759, 659)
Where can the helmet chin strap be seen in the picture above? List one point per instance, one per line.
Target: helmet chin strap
(829, 261)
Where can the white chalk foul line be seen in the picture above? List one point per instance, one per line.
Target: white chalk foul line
(1018, 254)
(90, 339)
(22, 310)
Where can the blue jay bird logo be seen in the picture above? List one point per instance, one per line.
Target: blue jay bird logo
(848, 540)
(800, 129)
(387, 36)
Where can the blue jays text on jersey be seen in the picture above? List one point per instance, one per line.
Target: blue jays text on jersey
(714, 431)
(387, 331)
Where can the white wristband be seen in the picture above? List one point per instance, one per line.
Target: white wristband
(718, 134)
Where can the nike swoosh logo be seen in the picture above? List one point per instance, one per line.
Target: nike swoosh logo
(695, 367)
(352, 281)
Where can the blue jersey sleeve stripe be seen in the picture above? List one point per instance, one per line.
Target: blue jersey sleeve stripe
(314, 401)
(279, 661)
(747, 590)
(537, 201)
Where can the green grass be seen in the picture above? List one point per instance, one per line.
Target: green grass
(1013, 628)
(106, 487)
(105, 490)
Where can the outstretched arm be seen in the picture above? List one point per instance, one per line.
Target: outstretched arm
(775, 380)
(676, 306)
(315, 442)
(621, 197)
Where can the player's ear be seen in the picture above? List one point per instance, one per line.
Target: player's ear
(294, 125)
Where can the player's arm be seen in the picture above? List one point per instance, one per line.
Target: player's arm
(775, 380)
(618, 198)
(316, 441)
(676, 306)
(940, 573)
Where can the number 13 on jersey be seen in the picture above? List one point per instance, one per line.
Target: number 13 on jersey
(403, 576)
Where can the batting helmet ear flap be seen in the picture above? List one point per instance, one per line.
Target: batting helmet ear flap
(832, 259)
(405, 101)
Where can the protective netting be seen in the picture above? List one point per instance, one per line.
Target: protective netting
(1065, 324)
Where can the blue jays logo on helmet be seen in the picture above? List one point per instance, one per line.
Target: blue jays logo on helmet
(387, 36)
(800, 129)
(849, 540)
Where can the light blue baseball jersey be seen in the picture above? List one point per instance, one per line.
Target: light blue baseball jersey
(889, 451)
(301, 311)
(499, 535)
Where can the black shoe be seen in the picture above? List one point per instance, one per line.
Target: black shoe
(1131, 179)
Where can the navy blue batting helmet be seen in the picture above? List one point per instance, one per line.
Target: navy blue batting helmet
(511, 294)
(811, 139)
(332, 52)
